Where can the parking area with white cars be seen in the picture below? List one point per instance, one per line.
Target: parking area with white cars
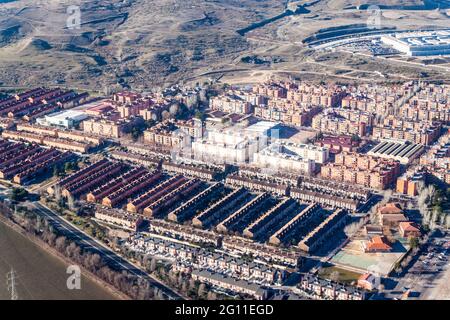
(428, 277)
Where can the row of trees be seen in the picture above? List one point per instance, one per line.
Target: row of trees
(133, 286)
(434, 205)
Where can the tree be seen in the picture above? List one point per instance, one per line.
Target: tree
(353, 227)
(49, 237)
(173, 109)
(413, 242)
(57, 171)
(334, 276)
(19, 194)
(153, 265)
(191, 283)
(60, 243)
(165, 115)
(184, 287)
(70, 166)
(355, 137)
(200, 115)
(203, 96)
(136, 132)
(71, 202)
(150, 123)
(172, 277)
(211, 296)
(201, 290)
(320, 136)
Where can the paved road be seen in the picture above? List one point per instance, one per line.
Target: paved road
(427, 278)
(109, 256)
(439, 287)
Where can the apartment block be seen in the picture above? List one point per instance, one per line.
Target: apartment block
(231, 103)
(364, 170)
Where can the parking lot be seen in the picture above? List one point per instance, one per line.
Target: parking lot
(428, 277)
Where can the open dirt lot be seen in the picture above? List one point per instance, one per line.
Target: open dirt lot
(39, 275)
(142, 44)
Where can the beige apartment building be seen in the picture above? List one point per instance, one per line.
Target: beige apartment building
(104, 128)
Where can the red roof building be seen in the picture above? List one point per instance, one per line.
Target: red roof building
(377, 244)
(367, 281)
(391, 208)
(408, 229)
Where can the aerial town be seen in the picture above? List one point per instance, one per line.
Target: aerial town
(281, 190)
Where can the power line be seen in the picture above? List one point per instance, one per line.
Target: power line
(11, 284)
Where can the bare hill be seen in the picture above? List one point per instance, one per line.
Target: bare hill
(140, 43)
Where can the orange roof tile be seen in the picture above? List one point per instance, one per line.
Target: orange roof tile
(391, 208)
(378, 243)
(408, 226)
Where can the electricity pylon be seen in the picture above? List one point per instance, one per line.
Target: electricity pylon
(11, 284)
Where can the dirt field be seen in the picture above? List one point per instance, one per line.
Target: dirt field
(40, 275)
(146, 43)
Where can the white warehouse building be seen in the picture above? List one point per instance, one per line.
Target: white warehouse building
(430, 43)
(65, 119)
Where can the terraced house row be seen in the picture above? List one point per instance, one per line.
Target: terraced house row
(23, 163)
(115, 184)
(330, 290)
(63, 139)
(63, 144)
(198, 258)
(220, 209)
(132, 189)
(108, 182)
(262, 216)
(276, 256)
(328, 193)
(198, 203)
(323, 231)
(38, 102)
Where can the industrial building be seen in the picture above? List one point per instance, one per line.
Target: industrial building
(65, 119)
(404, 152)
(430, 43)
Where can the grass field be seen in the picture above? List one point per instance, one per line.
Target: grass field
(345, 276)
